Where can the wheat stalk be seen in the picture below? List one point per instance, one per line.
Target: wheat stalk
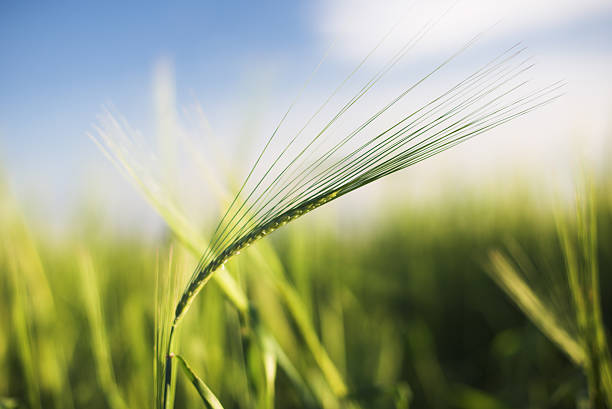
(301, 179)
(486, 99)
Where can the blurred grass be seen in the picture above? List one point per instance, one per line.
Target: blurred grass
(403, 311)
(565, 303)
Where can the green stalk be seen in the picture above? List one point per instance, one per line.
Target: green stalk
(98, 332)
(168, 370)
(583, 278)
(490, 97)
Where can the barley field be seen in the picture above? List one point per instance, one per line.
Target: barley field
(321, 251)
(403, 315)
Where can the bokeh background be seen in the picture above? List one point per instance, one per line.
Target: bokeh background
(391, 281)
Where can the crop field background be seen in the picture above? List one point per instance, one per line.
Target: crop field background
(406, 310)
(479, 279)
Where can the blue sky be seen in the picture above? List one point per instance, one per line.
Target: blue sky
(61, 61)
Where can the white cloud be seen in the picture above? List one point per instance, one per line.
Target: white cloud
(356, 25)
(546, 142)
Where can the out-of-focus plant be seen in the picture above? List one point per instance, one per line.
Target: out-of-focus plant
(565, 305)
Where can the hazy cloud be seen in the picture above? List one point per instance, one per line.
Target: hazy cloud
(355, 24)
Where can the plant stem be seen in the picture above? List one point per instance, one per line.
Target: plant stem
(168, 370)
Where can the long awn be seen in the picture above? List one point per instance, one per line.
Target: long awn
(309, 172)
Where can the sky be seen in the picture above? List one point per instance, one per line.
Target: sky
(244, 62)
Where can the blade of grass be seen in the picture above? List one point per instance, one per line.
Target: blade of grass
(208, 397)
(43, 332)
(166, 284)
(21, 323)
(98, 334)
(507, 277)
(580, 251)
(270, 344)
(268, 261)
(573, 321)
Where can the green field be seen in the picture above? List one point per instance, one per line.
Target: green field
(398, 314)
(329, 204)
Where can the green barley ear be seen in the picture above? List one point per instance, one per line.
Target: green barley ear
(319, 165)
(299, 182)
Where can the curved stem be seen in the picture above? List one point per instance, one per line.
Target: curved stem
(168, 370)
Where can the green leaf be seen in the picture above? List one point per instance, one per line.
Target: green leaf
(208, 397)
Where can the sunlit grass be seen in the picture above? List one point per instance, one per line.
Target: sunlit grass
(567, 305)
(306, 319)
(302, 177)
(404, 303)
